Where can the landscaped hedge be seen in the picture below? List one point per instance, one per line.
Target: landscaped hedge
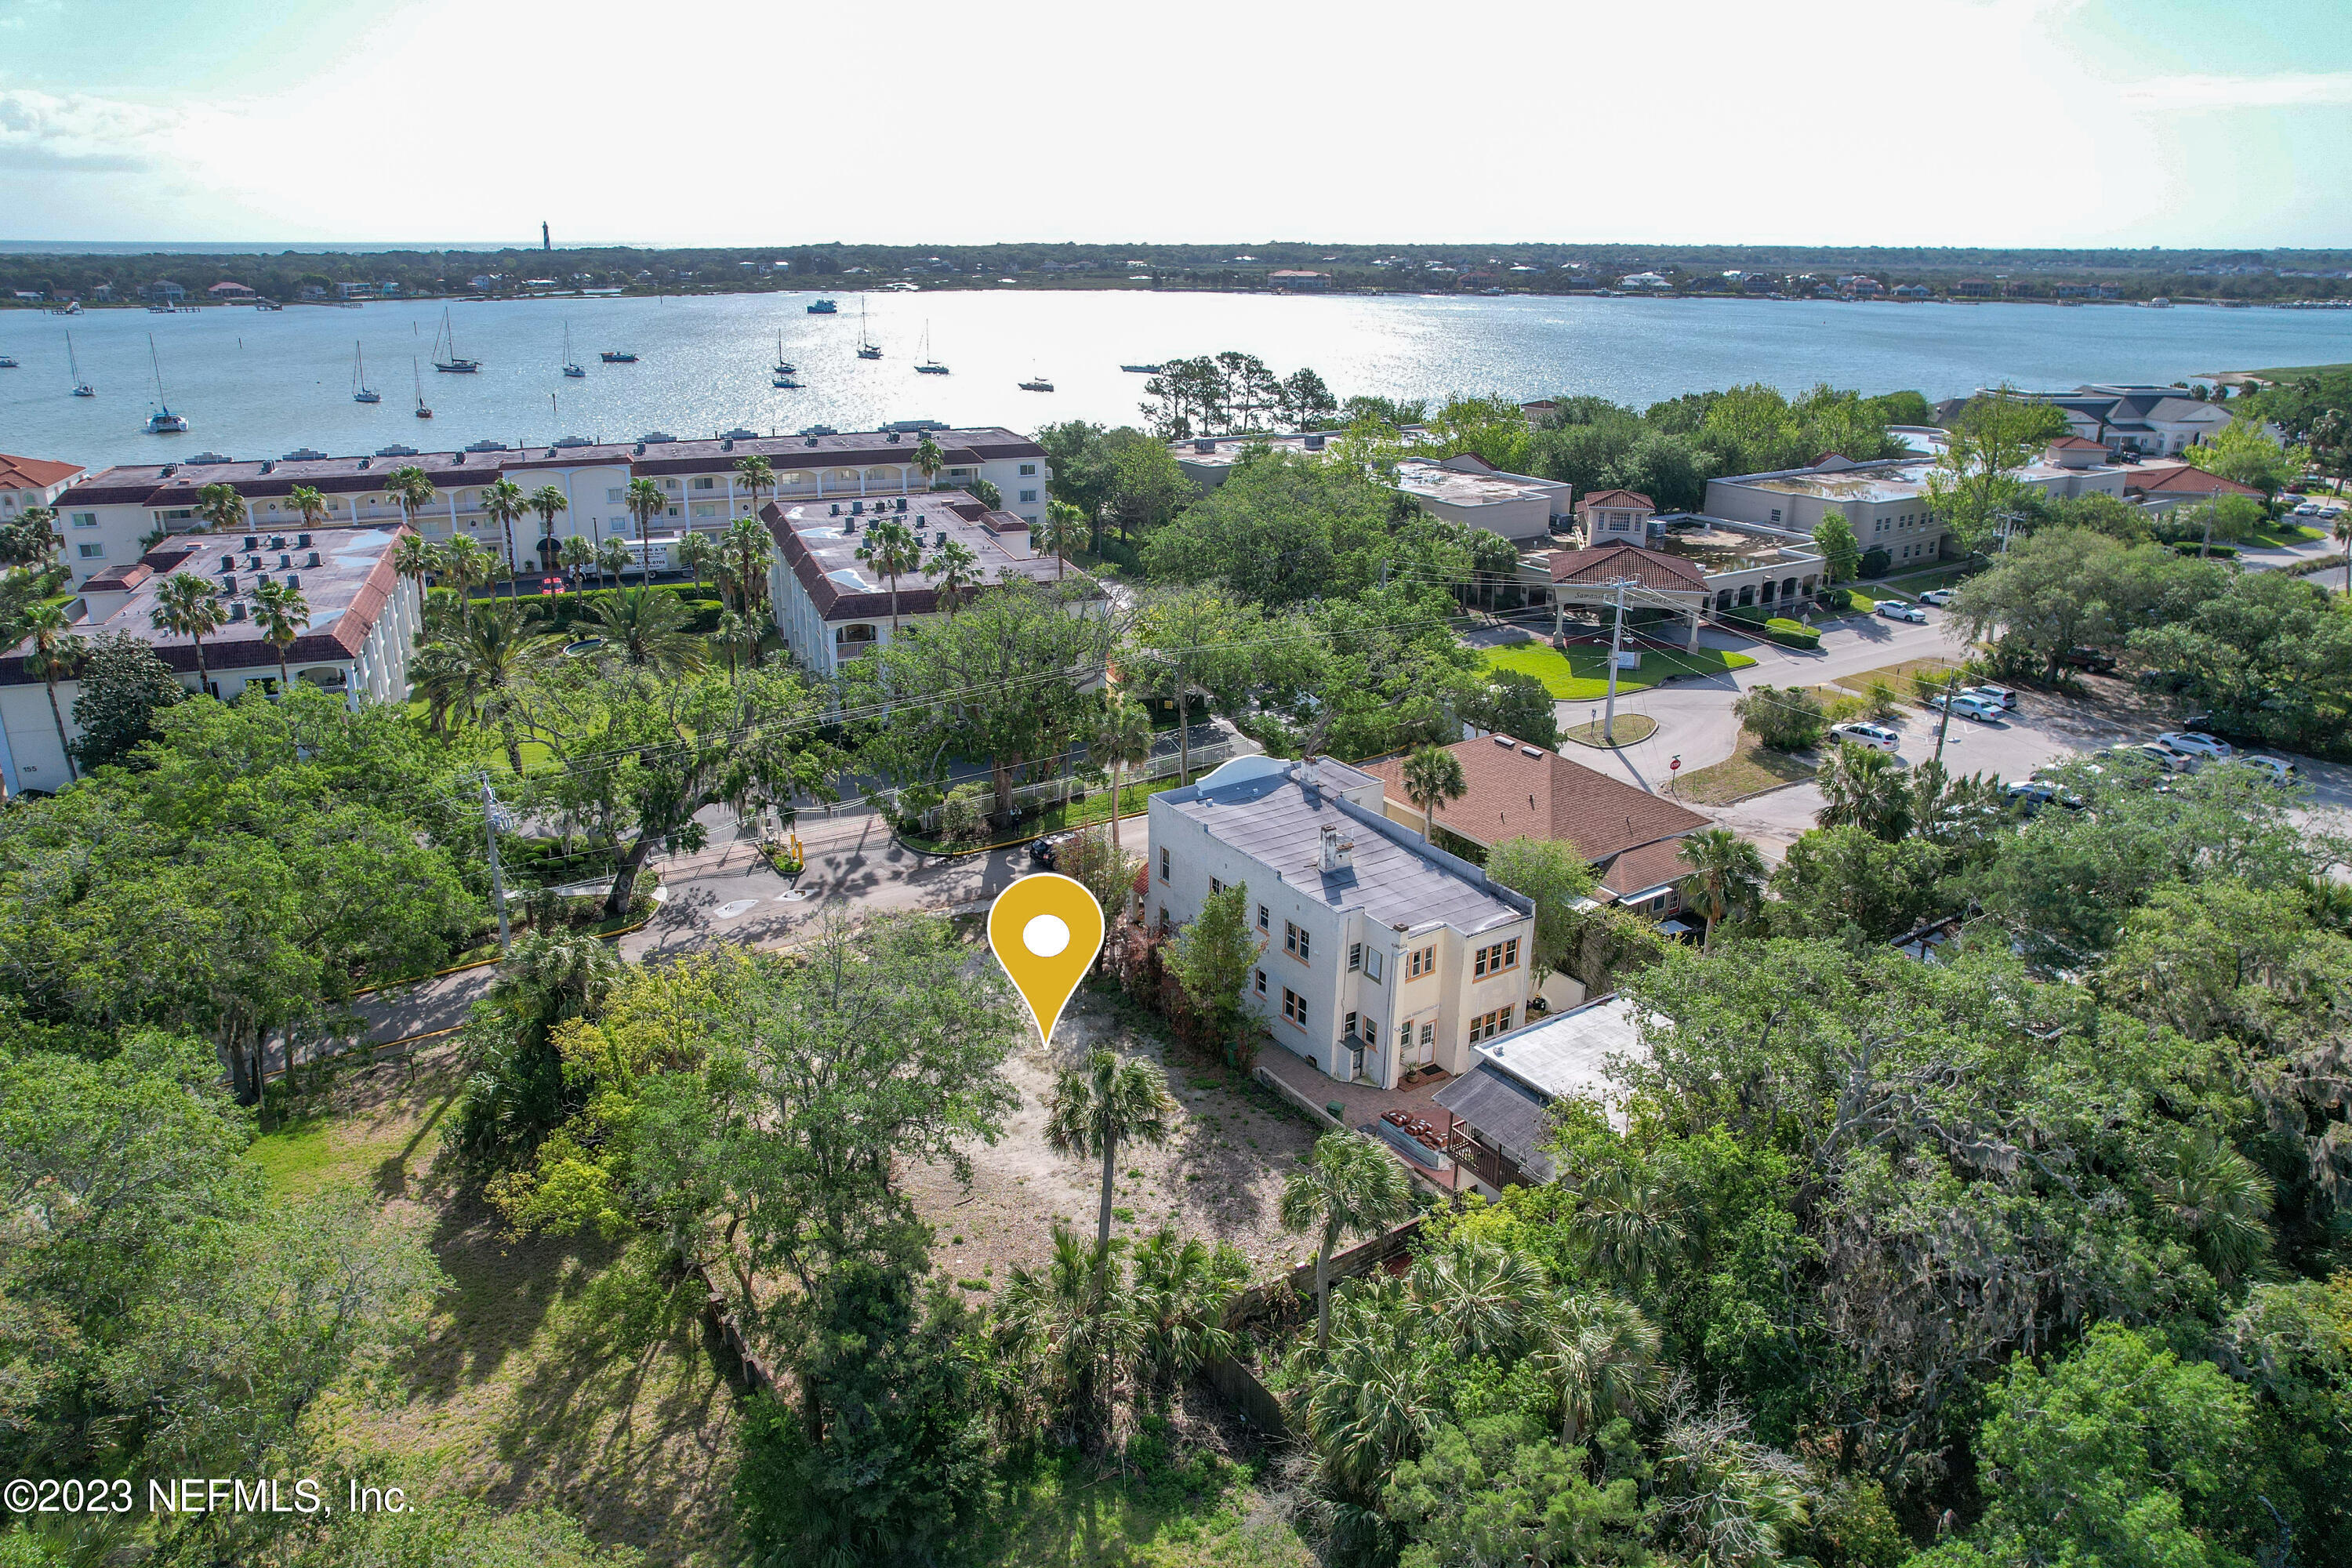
(1774, 628)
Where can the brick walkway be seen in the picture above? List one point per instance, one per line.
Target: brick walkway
(1363, 1104)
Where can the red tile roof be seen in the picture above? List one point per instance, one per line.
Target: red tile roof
(1605, 564)
(1617, 498)
(33, 473)
(1645, 866)
(2182, 480)
(1512, 795)
(2075, 444)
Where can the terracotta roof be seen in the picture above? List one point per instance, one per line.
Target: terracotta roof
(2182, 480)
(1515, 795)
(1617, 498)
(33, 473)
(1645, 866)
(2075, 444)
(1651, 568)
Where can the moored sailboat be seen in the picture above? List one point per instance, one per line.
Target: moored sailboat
(422, 412)
(162, 421)
(361, 391)
(455, 363)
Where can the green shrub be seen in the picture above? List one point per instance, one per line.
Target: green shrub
(1876, 561)
(1792, 634)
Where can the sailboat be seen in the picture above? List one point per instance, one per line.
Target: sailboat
(80, 387)
(361, 391)
(927, 365)
(570, 366)
(783, 365)
(422, 412)
(455, 365)
(162, 421)
(866, 347)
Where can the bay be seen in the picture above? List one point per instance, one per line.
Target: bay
(256, 384)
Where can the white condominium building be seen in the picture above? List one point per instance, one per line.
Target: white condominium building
(1380, 952)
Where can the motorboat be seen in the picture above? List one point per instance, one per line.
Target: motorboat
(1036, 384)
(617, 356)
(8, 362)
(823, 308)
(1143, 369)
(361, 391)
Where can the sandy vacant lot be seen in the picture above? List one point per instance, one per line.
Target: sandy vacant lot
(1218, 1176)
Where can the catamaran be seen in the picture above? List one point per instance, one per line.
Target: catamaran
(866, 347)
(422, 412)
(927, 365)
(162, 421)
(455, 365)
(80, 387)
(571, 367)
(361, 391)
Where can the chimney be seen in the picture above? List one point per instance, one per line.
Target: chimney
(1339, 854)
(1310, 777)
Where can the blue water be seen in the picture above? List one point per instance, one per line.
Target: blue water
(256, 385)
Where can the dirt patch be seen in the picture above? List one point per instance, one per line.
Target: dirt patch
(1219, 1175)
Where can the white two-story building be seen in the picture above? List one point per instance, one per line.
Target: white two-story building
(1381, 953)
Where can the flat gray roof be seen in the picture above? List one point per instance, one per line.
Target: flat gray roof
(1568, 1053)
(1276, 821)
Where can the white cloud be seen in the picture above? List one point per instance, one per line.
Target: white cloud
(2285, 89)
(44, 130)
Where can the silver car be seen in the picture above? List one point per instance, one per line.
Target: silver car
(1899, 610)
(2197, 744)
(1876, 737)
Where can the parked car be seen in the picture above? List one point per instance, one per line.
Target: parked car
(1901, 610)
(2001, 695)
(2196, 744)
(1042, 850)
(2040, 792)
(1940, 598)
(2167, 680)
(2165, 757)
(2280, 770)
(1877, 737)
(2308, 508)
(1969, 707)
(2098, 661)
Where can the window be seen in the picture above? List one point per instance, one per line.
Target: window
(1372, 965)
(1350, 1031)
(1420, 962)
(1294, 941)
(706, 483)
(1028, 471)
(1294, 1007)
(616, 494)
(90, 550)
(1164, 863)
(1261, 982)
(1215, 886)
(669, 484)
(84, 520)
(1028, 498)
(1496, 958)
(1261, 917)
(1166, 925)
(1487, 1025)
(1404, 1036)
(1355, 956)
(1776, 514)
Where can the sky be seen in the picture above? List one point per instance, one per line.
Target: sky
(1967, 123)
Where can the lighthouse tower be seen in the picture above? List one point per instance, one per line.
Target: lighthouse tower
(544, 243)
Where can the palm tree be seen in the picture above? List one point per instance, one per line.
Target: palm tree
(648, 629)
(893, 551)
(749, 548)
(415, 558)
(53, 650)
(1863, 788)
(549, 502)
(1725, 880)
(2343, 538)
(928, 460)
(1094, 1108)
(186, 606)
(1121, 740)
(1179, 1298)
(1432, 775)
(1603, 1353)
(575, 556)
(1633, 1227)
(1064, 531)
(306, 500)
(613, 559)
(411, 489)
(757, 474)
(549, 975)
(37, 528)
(462, 563)
(479, 674)
(956, 571)
(221, 508)
(1067, 1329)
(736, 631)
(1349, 1185)
(645, 502)
(1484, 1294)
(282, 614)
(1369, 1403)
(2220, 1198)
(696, 552)
(504, 502)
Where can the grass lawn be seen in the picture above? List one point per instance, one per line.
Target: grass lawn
(1194, 1513)
(2281, 534)
(2279, 373)
(1896, 675)
(1632, 729)
(1856, 601)
(1914, 584)
(1744, 772)
(1584, 672)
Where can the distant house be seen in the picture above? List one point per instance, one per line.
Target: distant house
(1296, 280)
(1651, 282)
(2157, 420)
(1975, 288)
(2165, 485)
(164, 292)
(227, 289)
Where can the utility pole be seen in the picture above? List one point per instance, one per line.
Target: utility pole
(1616, 641)
(490, 812)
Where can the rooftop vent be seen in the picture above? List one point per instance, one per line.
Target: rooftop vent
(892, 437)
(313, 560)
(284, 560)
(253, 562)
(808, 441)
(1531, 751)
(1502, 741)
(836, 510)
(656, 437)
(395, 451)
(228, 562)
(639, 450)
(276, 541)
(236, 609)
(902, 503)
(252, 542)
(304, 454)
(206, 457)
(293, 579)
(486, 447)
(727, 443)
(169, 469)
(1314, 442)
(261, 581)
(857, 509)
(1204, 444)
(367, 462)
(302, 542)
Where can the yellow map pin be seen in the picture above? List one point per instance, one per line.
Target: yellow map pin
(1045, 930)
